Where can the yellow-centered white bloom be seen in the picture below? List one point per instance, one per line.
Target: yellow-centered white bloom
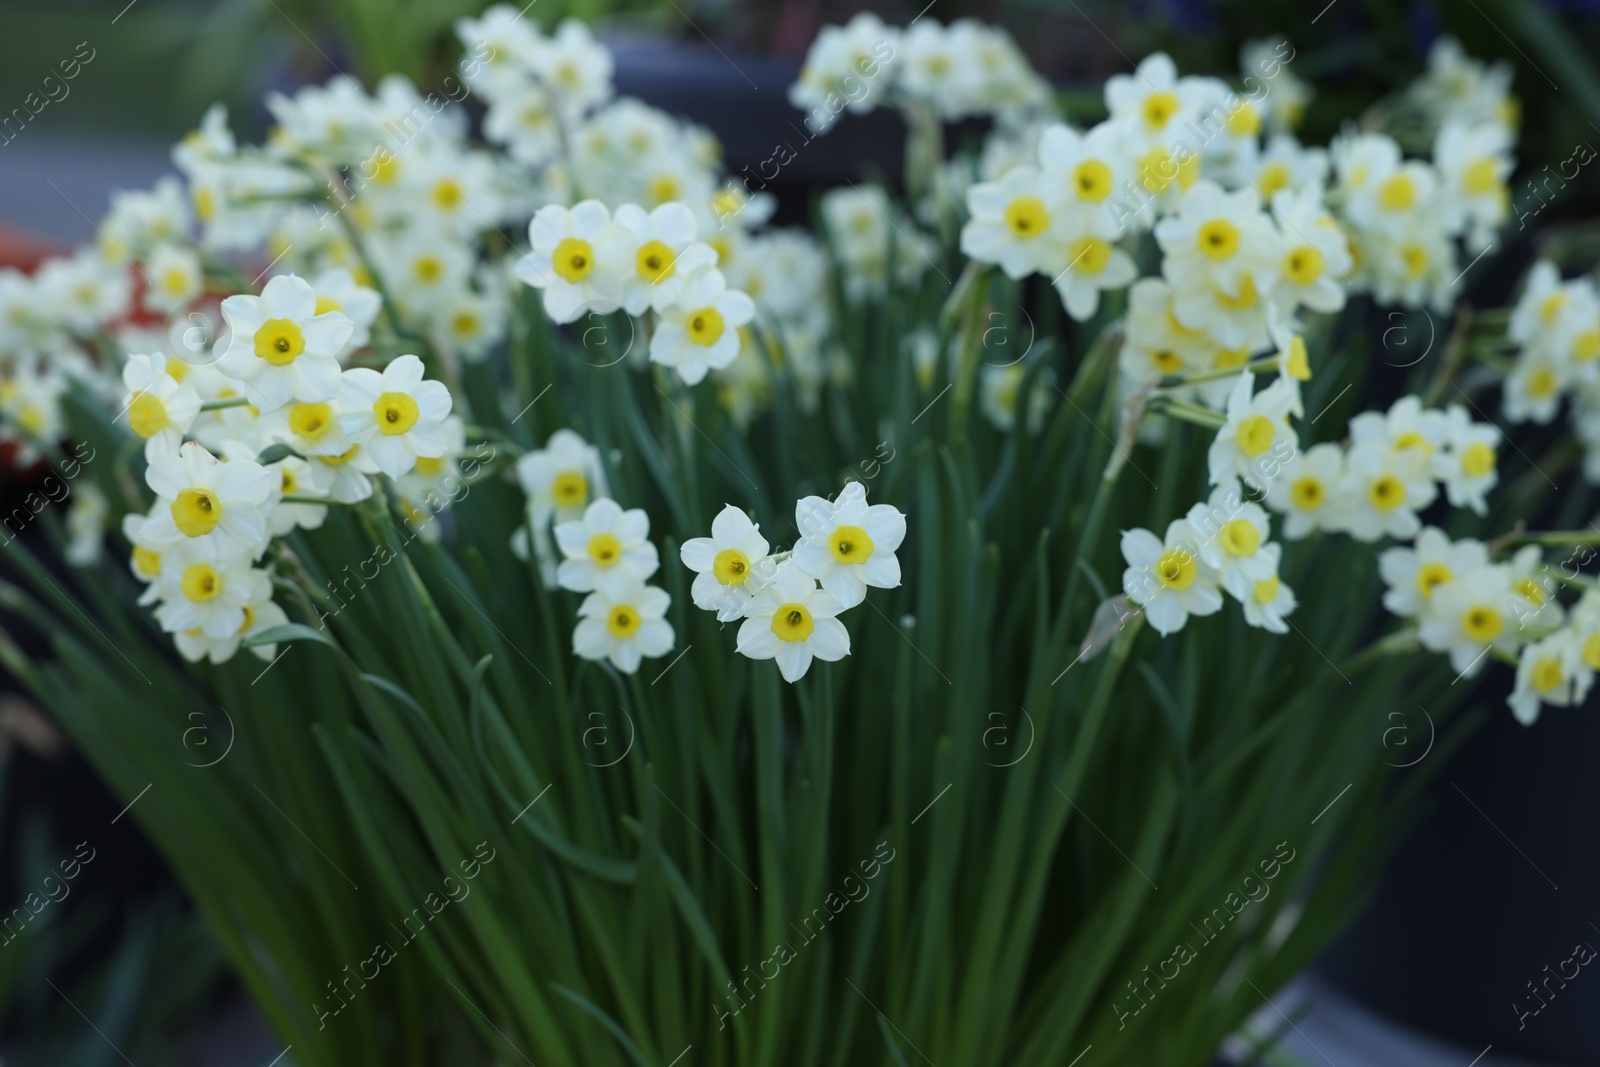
(1466, 465)
(280, 347)
(847, 544)
(397, 415)
(1221, 243)
(200, 592)
(565, 261)
(1256, 440)
(1306, 493)
(173, 277)
(792, 621)
(1266, 600)
(1168, 579)
(214, 505)
(1317, 264)
(730, 565)
(625, 628)
(159, 408)
(1384, 488)
(655, 254)
(562, 477)
(607, 550)
(1230, 534)
(1547, 673)
(1414, 574)
(338, 290)
(1469, 617)
(1019, 222)
(699, 331)
(260, 614)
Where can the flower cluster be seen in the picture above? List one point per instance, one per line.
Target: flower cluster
(1556, 325)
(790, 602)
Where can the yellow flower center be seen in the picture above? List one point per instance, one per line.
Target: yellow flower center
(622, 621)
(1386, 492)
(279, 341)
(1307, 493)
(1416, 259)
(1091, 180)
(1091, 255)
(731, 567)
(1591, 651)
(1398, 193)
(1477, 460)
(1256, 434)
(326, 304)
(1482, 623)
(342, 458)
(1531, 591)
(288, 480)
(1245, 122)
(663, 187)
(464, 324)
(654, 262)
(850, 544)
(1546, 675)
(396, 413)
(1303, 265)
(1586, 346)
(201, 582)
(428, 269)
(1176, 569)
(1167, 362)
(604, 549)
(1244, 300)
(1230, 357)
(196, 512)
(147, 415)
(1218, 238)
(1541, 383)
(1551, 306)
(447, 195)
(1027, 217)
(1239, 538)
(705, 326)
(792, 623)
(570, 489)
(311, 421)
(1431, 576)
(429, 466)
(1156, 170)
(1274, 176)
(1159, 108)
(249, 619)
(1266, 590)
(146, 561)
(1298, 363)
(573, 259)
(1479, 178)
(205, 204)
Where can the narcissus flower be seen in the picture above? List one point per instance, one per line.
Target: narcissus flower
(562, 477)
(848, 544)
(566, 260)
(1306, 491)
(204, 501)
(656, 253)
(1415, 574)
(260, 614)
(159, 408)
(200, 592)
(1470, 616)
(1168, 579)
(1547, 673)
(730, 565)
(1266, 600)
(397, 415)
(699, 332)
(1016, 222)
(1256, 439)
(793, 622)
(1383, 491)
(280, 347)
(1467, 465)
(1232, 534)
(607, 550)
(624, 628)
(338, 290)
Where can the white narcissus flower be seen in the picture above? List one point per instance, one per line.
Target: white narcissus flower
(280, 347)
(848, 545)
(1294, 362)
(1266, 601)
(86, 526)
(607, 550)
(1469, 617)
(655, 253)
(1091, 166)
(338, 290)
(566, 260)
(1415, 573)
(1231, 534)
(1257, 431)
(793, 622)
(1535, 605)
(625, 628)
(346, 476)
(1547, 673)
(730, 565)
(397, 415)
(1016, 222)
(294, 479)
(173, 277)
(1306, 492)
(160, 409)
(216, 506)
(562, 477)
(1085, 265)
(260, 614)
(199, 592)
(1219, 241)
(311, 429)
(1384, 489)
(699, 332)
(1168, 579)
(1467, 465)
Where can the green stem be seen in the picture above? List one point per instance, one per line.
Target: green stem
(226, 402)
(1264, 365)
(1194, 413)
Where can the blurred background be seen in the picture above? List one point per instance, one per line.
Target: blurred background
(1496, 881)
